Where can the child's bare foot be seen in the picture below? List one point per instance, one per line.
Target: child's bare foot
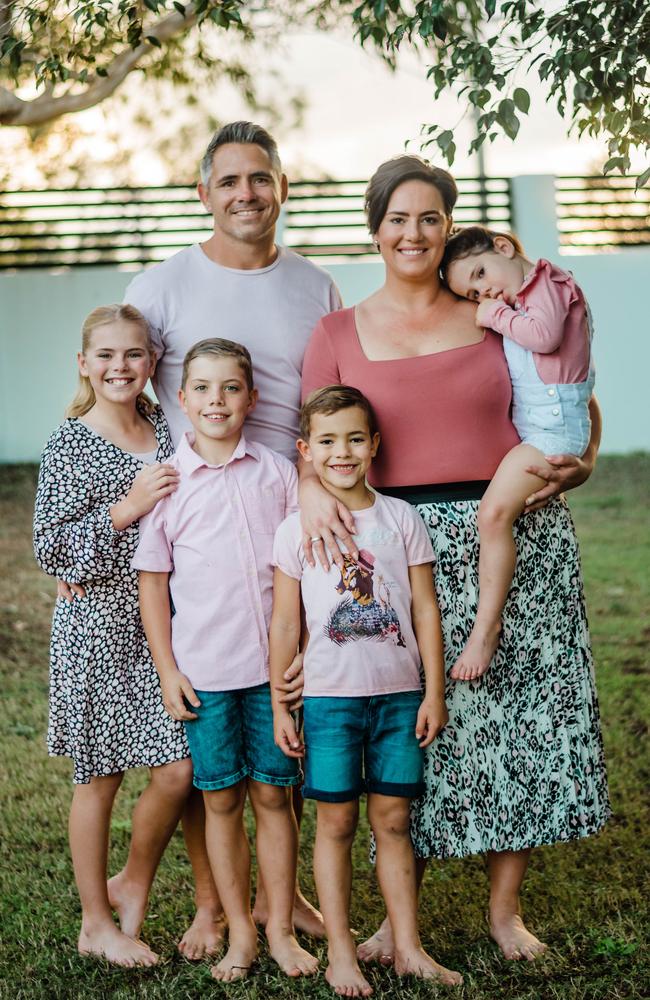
(292, 959)
(380, 947)
(346, 978)
(111, 943)
(205, 934)
(416, 962)
(306, 918)
(129, 900)
(515, 940)
(237, 962)
(477, 655)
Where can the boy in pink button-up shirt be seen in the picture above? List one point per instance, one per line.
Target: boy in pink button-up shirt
(210, 545)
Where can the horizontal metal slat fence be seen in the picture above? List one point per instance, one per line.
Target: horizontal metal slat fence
(127, 225)
(602, 213)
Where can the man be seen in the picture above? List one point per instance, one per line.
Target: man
(241, 286)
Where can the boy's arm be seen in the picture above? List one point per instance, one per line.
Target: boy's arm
(540, 327)
(432, 715)
(284, 637)
(156, 616)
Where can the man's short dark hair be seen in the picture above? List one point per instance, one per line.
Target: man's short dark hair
(240, 132)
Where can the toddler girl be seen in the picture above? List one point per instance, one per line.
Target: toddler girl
(546, 325)
(101, 470)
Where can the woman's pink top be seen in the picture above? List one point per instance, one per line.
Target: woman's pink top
(443, 417)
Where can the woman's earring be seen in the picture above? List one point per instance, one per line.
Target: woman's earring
(376, 244)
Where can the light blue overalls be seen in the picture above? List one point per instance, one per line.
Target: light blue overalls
(553, 418)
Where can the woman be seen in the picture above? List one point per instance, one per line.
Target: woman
(520, 762)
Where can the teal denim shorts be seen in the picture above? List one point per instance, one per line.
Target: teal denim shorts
(367, 744)
(232, 739)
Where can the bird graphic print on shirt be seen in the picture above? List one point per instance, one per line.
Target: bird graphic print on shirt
(363, 614)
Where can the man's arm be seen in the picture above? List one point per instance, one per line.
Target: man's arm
(155, 611)
(433, 715)
(569, 471)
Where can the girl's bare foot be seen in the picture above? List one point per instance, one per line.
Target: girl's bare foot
(237, 962)
(515, 940)
(477, 655)
(205, 934)
(129, 901)
(292, 959)
(110, 943)
(380, 947)
(306, 918)
(345, 977)
(416, 962)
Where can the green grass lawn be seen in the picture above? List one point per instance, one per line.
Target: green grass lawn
(586, 899)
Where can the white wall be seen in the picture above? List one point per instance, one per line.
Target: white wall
(41, 314)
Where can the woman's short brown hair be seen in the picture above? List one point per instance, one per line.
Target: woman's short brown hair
(470, 241)
(331, 399)
(388, 177)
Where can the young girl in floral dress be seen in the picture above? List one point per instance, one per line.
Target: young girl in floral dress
(101, 470)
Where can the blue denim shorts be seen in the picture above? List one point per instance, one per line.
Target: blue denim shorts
(232, 738)
(362, 744)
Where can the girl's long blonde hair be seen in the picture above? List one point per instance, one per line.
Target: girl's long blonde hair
(85, 397)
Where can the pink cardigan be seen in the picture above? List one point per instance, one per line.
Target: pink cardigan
(443, 417)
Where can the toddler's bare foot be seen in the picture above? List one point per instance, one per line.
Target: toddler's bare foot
(292, 959)
(129, 900)
(242, 952)
(345, 977)
(416, 962)
(380, 947)
(205, 934)
(116, 947)
(477, 655)
(514, 939)
(306, 918)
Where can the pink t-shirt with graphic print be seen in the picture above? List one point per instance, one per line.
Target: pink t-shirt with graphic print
(361, 641)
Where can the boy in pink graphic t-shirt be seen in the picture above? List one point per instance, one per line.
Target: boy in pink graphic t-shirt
(210, 547)
(371, 625)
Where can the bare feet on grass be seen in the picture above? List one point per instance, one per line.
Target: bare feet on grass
(306, 918)
(345, 977)
(514, 939)
(416, 962)
(242, 952)
(117, 948)
(129, 901)
(477, 655)
(380, 947)
(292, 959)
(204, 936)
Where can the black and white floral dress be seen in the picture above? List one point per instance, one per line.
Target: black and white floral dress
(106, 711)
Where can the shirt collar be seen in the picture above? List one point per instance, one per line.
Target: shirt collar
(189, 460)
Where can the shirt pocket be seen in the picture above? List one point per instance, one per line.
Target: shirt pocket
(264, 509)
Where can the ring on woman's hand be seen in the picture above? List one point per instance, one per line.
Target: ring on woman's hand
(315, 538)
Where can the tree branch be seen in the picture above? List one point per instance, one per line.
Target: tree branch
(46, 107)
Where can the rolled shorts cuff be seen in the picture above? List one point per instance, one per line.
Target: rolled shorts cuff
(272, 779)
(401, 790)
(314, 793)
(219, 783)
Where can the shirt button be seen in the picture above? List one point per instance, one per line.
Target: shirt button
(556, 412)
(551, 392)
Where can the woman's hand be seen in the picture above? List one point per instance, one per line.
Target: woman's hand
(151, 484)
(324, 520)
(293, 681)
(432, 719)
(568, 472)
(68, 591)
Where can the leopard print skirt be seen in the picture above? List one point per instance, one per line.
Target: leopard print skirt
(520, 762)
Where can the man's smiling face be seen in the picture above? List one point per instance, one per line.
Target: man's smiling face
(244, 193)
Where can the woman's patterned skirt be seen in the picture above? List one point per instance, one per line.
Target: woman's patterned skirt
(520, 762)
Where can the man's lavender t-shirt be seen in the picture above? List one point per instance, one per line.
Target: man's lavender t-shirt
(271, 311)
(361, 640)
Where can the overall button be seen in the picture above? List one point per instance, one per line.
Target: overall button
(551, 392)
(556, 412)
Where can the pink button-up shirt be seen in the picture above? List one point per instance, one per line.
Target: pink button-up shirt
(214, 535)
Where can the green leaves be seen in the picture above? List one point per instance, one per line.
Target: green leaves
(521, 98)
